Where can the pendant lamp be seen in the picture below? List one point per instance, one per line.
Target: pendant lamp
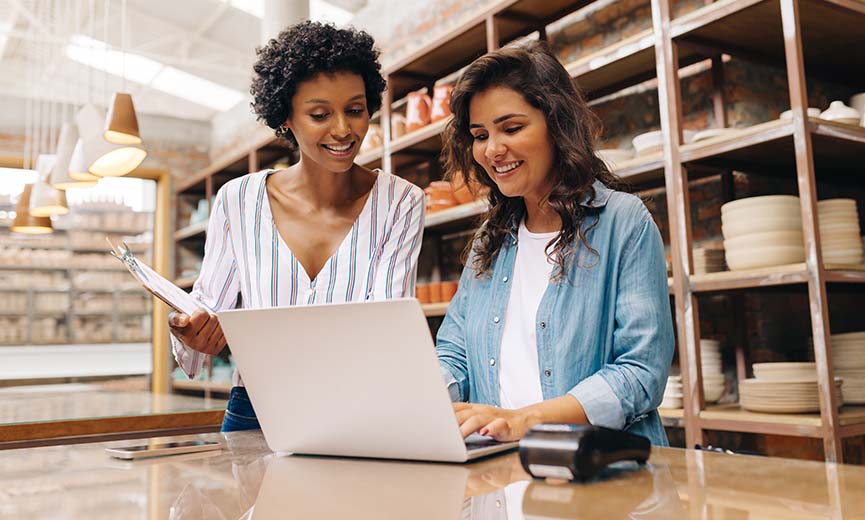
(45, 199)
(25, 222)
(121, 126)
(61, 176)
(102, 158)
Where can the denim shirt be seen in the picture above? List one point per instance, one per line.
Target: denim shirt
(604, 330)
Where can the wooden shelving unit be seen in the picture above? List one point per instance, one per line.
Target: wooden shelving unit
(784, 32)
(821, 33)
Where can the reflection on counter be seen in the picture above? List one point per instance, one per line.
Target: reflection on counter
(247, 481)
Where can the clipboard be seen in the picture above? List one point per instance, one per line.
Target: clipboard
(154, 283)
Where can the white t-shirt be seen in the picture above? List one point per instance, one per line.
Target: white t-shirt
(519, 374)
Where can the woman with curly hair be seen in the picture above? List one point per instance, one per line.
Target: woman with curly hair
(562, 313)
(322, 230)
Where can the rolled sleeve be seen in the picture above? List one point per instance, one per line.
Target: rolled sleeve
(600, 403)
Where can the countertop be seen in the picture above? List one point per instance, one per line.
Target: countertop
(245, 480)
(60, 414)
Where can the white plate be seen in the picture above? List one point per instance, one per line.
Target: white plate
(740, 228)
(848, 204)
(770, 238)
(614, 156)
(764, 257)
(850, 336)
(812, 112)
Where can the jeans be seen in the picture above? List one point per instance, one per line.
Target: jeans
(239, 415)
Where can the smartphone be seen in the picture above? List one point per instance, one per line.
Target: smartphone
(161, 449)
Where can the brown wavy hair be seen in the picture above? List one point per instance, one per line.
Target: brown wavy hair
(534, 72)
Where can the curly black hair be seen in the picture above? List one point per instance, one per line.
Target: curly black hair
(300, 52)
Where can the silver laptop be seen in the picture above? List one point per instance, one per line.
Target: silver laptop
(349, 379)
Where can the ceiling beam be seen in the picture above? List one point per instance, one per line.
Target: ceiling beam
(202, 28)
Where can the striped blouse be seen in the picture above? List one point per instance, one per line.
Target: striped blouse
(245, 256)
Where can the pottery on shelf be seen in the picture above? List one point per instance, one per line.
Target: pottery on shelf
(841, 113)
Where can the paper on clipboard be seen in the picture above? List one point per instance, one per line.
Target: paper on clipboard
(156, 284)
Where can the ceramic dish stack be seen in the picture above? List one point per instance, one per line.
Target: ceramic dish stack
(613, 157)
(709, 260)
(673, 393)
(653, 142)
(762, 232)
(713, 376)
(848, 357)
(840, 236)
(783, 388)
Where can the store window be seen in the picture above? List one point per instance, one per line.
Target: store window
(75, 327)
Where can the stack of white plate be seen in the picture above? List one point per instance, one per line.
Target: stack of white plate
(613, 157)
(840, 235)
(709, 260)
(673, 393)
(762, 232)
(713, 375)
(848, 356)
(783, 388)
(653, 142)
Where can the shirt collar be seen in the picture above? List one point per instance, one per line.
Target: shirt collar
(602, 196)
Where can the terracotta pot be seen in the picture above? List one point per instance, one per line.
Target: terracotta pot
(435, 292)
(422, 293)
(441, 102)
(440, 195)
(467, 192)
(449, 289)
(417, 112)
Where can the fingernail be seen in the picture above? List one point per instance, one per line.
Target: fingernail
(484, 431)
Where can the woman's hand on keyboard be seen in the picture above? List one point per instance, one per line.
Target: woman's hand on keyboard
(200, 332)
(498, 423)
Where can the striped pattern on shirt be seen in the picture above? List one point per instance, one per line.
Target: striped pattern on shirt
(245, 256)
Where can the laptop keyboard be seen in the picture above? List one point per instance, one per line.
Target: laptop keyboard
(477, 443)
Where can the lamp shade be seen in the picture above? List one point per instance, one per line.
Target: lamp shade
(61, 176)
(25, 222)
(45, 199)
(102, 158)
(121, 126)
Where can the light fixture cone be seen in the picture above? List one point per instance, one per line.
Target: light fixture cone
(121, 125)
(103, 159)
(60, 175)
(79, 166)
(25, 222)
(45, 199)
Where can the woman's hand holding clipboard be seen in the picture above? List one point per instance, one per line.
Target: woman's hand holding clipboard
(191, 323)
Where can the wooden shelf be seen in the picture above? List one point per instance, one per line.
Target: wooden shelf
(186, 282)
(193, 231)
(641, 169)
(432, 310)
(772, 276)
(421, 145)
(371, 159)
(463, 213)
(769, 147)
(623, 64)
(730, 417)
(460, 46)
(672, 417)
(201, 386)
(752, 29)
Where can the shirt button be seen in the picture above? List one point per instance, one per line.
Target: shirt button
(492, 362)
(548, 372)
(496, 319)
(543, 324)
(505, 279)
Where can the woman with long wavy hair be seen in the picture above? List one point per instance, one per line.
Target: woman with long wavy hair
(562, 313)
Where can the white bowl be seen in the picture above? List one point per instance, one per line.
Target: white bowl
(743, 227)
(764, 257)
(771, 238)
(758, 213)
(762, 201)
(711, 394)
(651, 142)
(845, 204)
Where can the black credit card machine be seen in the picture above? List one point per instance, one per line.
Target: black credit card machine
(578, 452)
